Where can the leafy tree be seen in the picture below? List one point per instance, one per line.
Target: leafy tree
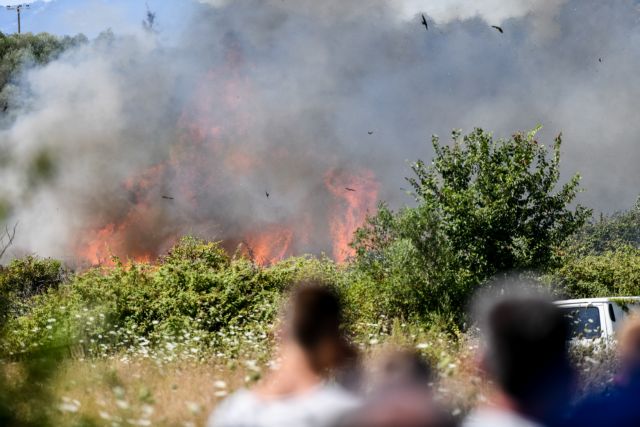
(609, 232)
(21, 50)
(602, 258)
(483, 206)
(612, 272)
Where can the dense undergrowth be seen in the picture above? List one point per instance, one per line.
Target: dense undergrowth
(161, 344)
(483, 208)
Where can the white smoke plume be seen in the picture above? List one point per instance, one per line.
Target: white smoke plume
(280, 97)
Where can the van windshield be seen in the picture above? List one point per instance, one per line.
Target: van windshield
(584, 321)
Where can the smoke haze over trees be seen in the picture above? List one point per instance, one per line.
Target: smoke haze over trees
(298, 86)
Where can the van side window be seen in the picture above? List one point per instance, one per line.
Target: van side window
(584, 321)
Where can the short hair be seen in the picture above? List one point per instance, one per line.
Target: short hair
(317, 314)
(405, 368)
(527, 347)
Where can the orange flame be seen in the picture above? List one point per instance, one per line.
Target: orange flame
(271, 245)
(205, 155)
(355, 196)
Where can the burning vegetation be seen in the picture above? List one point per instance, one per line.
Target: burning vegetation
(215, 159)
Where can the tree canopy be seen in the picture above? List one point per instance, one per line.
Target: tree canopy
(483, 206)
(21, 50)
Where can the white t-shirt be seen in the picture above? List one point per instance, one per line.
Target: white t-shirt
(493, 417)
(320, 407)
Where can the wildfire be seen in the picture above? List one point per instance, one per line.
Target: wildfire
(355, 196)
(271, 245)
(118, 240)
(213, 179)
(97, 251)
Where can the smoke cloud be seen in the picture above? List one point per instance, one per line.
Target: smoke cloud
(299, 99)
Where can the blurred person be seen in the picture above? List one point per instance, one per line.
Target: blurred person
(629, 352)
(526, 358)
(401, 396)
(402, 369)
(299, 393)
(617, 406)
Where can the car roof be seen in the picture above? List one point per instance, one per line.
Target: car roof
(595, 300)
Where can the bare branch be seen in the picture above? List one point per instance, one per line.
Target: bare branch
(7, 239)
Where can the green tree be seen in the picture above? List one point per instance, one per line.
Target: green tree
(18, 51)
(612, 272)
(483, 206)
(609, 232)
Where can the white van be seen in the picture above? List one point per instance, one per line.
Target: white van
(598, 317)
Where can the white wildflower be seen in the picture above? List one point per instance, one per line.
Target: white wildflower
(69, 405)
(194, 408)
(140, 422)
(122, 404)
(147, 410)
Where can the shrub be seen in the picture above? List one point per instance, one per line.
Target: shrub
(484, 206)
(24, 278)
(196, 290)
(614, 272)
(609, 232)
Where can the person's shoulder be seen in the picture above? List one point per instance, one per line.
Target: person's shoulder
(336, 395)
(491, 417)
(231, 408)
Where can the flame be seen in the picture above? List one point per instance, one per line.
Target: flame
(118, 238)
(213, 147)
(270, 245)
(113, 239)
(97, 251)
(355, 196)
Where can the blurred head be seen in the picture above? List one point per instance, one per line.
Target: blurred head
(629, 347)
(314, 324)
(404, 408)
(401, 369)
(401, 396)
(527, 354)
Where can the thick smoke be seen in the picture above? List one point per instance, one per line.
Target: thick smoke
(279, 97)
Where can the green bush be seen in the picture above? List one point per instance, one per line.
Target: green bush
(614, 272)
(24, 278)
(484, 206)
(609, 232)
(196, 289)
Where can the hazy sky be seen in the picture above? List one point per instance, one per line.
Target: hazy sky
(93, 16)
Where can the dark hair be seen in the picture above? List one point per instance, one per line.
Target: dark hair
(405, 368)
(527, 348)
(316, 314)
